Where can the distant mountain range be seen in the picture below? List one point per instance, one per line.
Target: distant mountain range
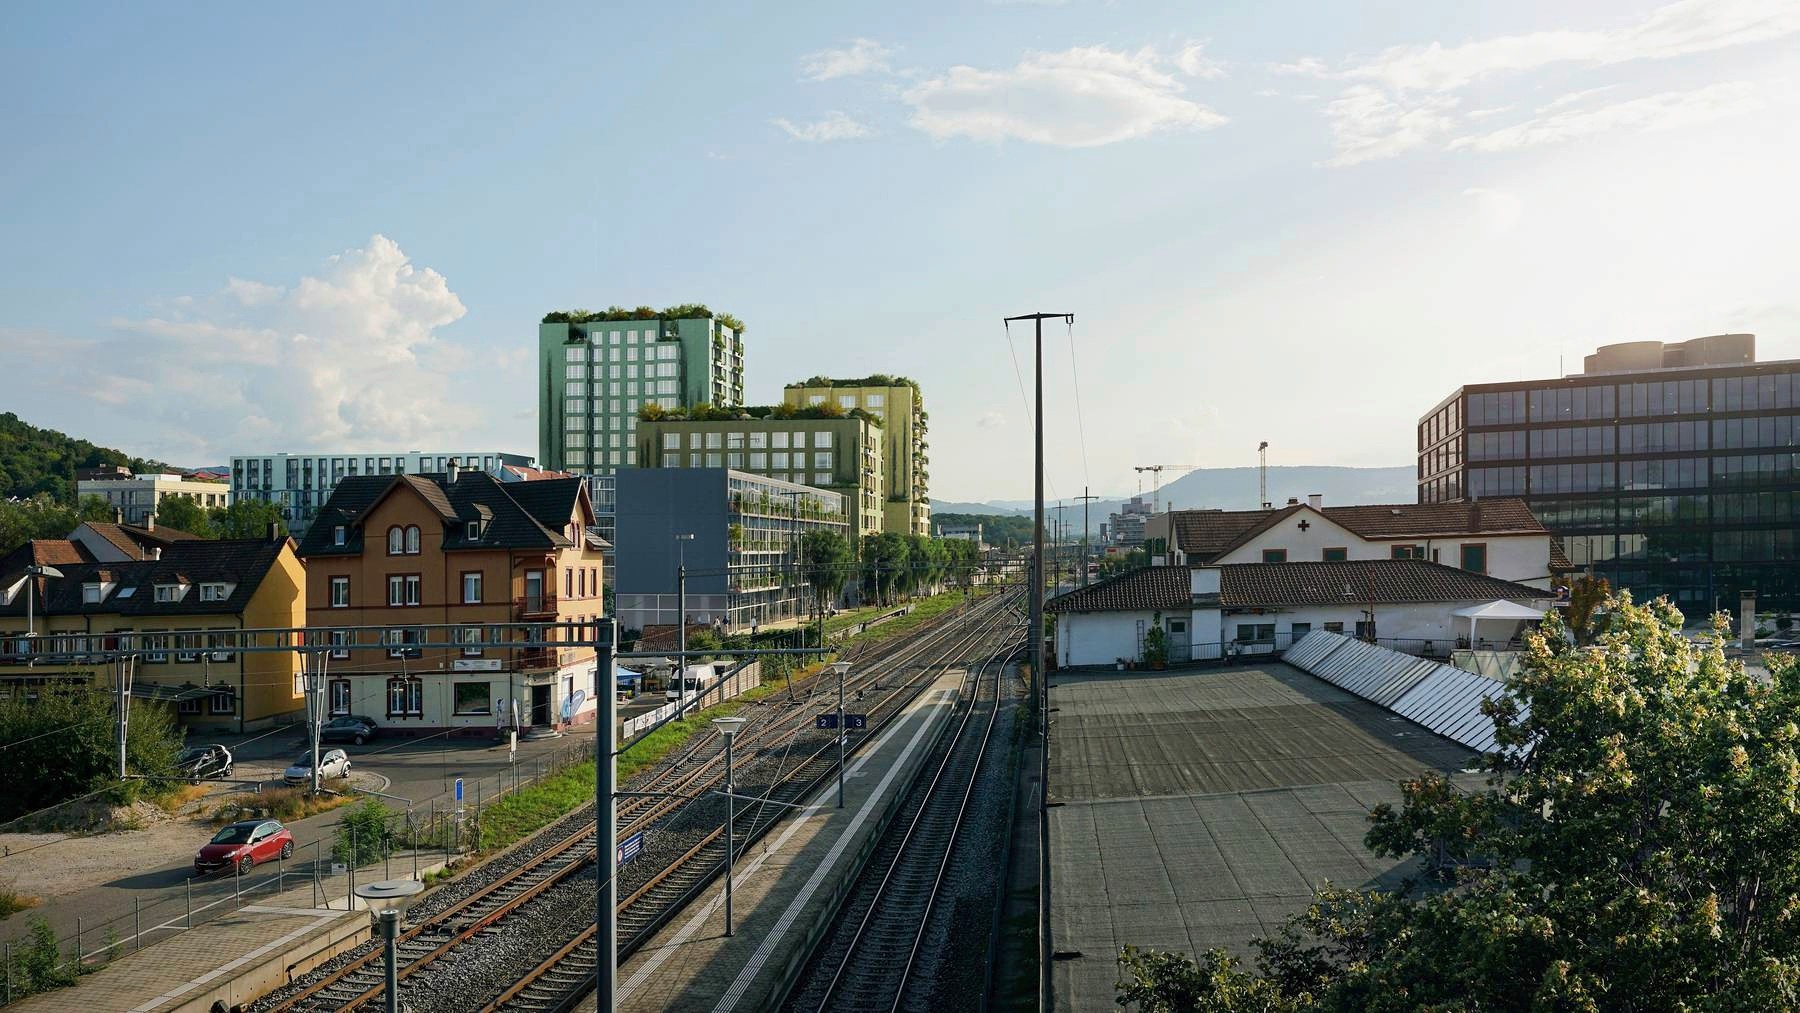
(1230, 489)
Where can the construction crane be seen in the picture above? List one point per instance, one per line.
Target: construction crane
(1156, 471)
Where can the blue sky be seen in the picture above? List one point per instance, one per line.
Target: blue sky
(231, 229)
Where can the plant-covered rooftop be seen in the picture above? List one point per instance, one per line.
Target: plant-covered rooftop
(683, 311)
(704, 412)
(872, 380)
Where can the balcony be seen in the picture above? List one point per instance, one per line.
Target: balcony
(531, 605)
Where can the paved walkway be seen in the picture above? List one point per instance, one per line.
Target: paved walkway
(786, 888)
(235, 957)
(1201, 809)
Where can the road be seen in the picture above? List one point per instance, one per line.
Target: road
(152, 868)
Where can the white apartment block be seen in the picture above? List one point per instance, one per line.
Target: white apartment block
(135, 497)
(301, 483)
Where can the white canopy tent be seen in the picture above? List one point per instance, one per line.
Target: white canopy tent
(1510, 611)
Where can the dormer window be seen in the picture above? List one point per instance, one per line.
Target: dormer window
(340, 535)
(91, 594)
(472, 531)
(170, 592)
(214, 592)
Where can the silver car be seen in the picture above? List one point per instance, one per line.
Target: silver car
(332, 763)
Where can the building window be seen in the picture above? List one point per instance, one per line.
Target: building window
(1335, 555)
(396, 541)
(471, 584)
(406, 698)
(170, 592)
(90, 594)
(1256, 633)
(339, 534)
(1474, 557)
(400, 643)
(1273, 556)
(1407, 552)
(403, 588)
(223, 701)
(820, 439)
(338, 694)
(412, 540)
(471, 698)
(340, 643)
(471, 641)
(213, 592)
(188, 705)
(1334, 627)
(340, 592)
(1365, 630)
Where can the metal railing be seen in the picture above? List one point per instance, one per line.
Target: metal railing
(428, 832)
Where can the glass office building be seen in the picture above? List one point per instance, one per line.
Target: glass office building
(1667, 469)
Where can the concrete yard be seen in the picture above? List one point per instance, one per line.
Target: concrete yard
(1201, 808)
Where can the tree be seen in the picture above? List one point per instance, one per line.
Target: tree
(246, 518)
(62, 745)
(1636, 847)
(825, 564)
(35, 517)
(184, 513)
(94, 508)
(1587, 593)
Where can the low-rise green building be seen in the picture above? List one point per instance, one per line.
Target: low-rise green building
(842, 454)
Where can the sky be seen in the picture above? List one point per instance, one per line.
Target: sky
(261, 228)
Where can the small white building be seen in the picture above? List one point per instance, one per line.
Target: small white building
(1498, 537)
(1237, 609)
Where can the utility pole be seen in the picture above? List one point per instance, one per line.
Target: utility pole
(1036, 598)
(606, 821)
(124, 664)
(681, 663)
(1085, 500)
(1262, 468)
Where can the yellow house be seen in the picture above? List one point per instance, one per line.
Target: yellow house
(182, 600)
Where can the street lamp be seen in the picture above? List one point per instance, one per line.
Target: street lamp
(728, 727)
(681, 663)
(840, 667)
(33, 570)
(385, 901)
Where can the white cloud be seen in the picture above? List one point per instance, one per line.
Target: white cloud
(1193, 61)
(348, 357)
(1496, 211)
(990, 420)
(1666, 111)
(1367, 124)
(836, 126)
(1482, 114)
(1394, 101)
(1077, 98)
(1677, 29)
(861, 56)
(1573, 97)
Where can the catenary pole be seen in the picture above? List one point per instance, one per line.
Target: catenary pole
(1085, 500)
(1036, 654)
(606, 825)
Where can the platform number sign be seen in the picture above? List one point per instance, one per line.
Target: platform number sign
(826, 721)
(854, 722)
(459, 790)
(631, 847)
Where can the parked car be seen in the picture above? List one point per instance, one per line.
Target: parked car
(352, 728)
(239, 846)
(201, 763)
(332, 763)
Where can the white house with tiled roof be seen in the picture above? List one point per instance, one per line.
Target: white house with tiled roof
(1254, 608)
(1499, 538)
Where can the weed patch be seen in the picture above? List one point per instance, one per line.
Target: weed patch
(284, 804)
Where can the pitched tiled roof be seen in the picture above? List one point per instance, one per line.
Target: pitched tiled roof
(242, 562)
(516, 515)
(1261, 585)
(1206, 535)
(133, 540)
(1559, 558)
(1362, 581)
(1141, 590)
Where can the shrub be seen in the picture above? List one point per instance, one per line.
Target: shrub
(363, 834)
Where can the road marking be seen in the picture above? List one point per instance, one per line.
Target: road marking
(655, 960)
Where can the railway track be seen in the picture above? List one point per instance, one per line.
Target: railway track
(565, 978)
(521, 892)
(868, 962)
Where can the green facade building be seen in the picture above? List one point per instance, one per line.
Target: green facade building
(843, 455)
(594, 377)
(897, 402)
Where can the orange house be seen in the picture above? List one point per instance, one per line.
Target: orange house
(460, 550)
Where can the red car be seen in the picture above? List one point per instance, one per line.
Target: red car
(242, 845)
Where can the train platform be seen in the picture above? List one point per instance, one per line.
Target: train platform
(231, 959)
(786, 887)
(1200, 809)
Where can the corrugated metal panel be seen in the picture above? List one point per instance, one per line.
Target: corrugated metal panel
(1444, 699)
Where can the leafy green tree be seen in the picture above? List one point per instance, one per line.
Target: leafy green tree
(63, 745)
(364, 834)
(1636, 847)
(247, 518)
(184, 513)
(94, 508)
(825, 562)
(32, 518)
